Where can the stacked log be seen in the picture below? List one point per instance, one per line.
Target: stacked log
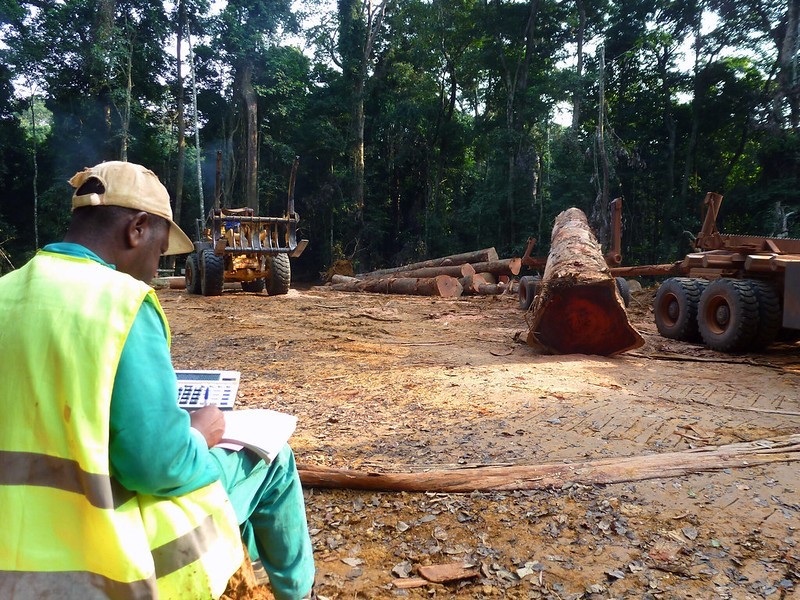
(442, 285)
(478, 256)
(579, 309)
(478, 272)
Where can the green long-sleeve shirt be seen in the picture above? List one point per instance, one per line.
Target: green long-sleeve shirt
(152, 447)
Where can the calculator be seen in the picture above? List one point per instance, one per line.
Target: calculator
(200, 388)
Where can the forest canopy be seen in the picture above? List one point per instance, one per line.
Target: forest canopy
(423, 127)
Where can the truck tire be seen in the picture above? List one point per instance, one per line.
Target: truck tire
(528, 286)
(770, 315)
(257, 285)
(212, 273)
(280, 275)
(624, 290)
(675, 308)
(192, 274)
(727, 315)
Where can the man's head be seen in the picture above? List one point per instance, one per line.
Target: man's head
(122, 212)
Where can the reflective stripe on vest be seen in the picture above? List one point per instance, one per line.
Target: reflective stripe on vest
(70, 529)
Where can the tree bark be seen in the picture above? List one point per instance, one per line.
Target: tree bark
(456, 271)
(507, 266)
(179, 176)
(470, 283)
(555, 475)
(577, 95)
(578, 309)
(477, 256)
(444, 286)
(249, 100)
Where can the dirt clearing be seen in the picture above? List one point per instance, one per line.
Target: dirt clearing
(400, 383)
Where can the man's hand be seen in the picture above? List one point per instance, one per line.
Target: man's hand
(210, 421)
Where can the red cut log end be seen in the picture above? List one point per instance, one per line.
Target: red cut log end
(584, 319)
(448, 287)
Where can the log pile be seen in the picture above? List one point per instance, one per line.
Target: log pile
(578, 309)
(479, 272)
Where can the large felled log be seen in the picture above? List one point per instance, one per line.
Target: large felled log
(470, 283)
(487, 254)
(578, 309)
(507, 266)
(443, 285)
(456, 271)
(555, 475)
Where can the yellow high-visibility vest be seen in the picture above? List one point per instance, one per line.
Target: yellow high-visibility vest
(69, 529)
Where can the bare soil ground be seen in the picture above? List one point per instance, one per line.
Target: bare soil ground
(398, 383)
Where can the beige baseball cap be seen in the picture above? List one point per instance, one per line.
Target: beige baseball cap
(131, 186)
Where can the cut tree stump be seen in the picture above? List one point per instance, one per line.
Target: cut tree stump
(443, 285)
(555, 475)
(578, 309)
(477, 256)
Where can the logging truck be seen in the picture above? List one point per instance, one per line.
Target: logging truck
(734, 293)
(236, 245)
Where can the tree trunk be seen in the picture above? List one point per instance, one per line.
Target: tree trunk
(179, 91)
(357, 151)
(671, 127)
(507, 266)
(444, 286)
(600, 213)
(35, 176)
(487, 254)
(555, 475)
(199, 157)
(578, 93)
(579, 310)
(250, 104)
(126, 113)
(470, 283)
(450, 270)
(786, 88)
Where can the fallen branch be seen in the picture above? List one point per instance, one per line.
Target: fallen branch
(555, 475)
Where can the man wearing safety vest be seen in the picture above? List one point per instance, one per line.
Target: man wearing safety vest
(107, 488)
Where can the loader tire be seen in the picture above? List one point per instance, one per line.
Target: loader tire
(280, 275)
(770, 314)
(212, 269)
(624, 290)
(675, 308)
(727, 315)
(192, 274)
(528, 286)
(257, 285)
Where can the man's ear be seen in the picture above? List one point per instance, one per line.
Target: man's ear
(136, 229)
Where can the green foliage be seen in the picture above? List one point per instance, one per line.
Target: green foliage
(459, 145)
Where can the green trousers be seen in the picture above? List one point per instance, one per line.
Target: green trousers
(268, 500)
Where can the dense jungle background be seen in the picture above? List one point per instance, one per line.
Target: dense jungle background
(423, 127)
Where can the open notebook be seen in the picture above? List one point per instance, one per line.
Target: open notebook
(261, 430)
